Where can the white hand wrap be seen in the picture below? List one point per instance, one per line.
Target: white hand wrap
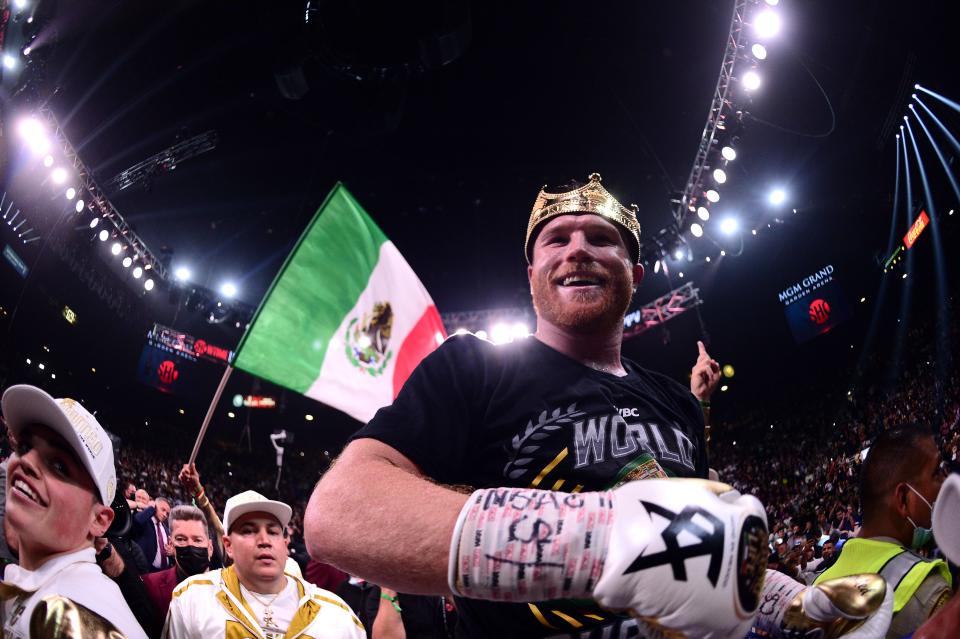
(513, 544)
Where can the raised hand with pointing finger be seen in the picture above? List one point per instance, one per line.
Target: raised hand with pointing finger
(705, 375)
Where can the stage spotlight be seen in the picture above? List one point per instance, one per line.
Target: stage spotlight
(773, 3)
(48, 161)
(678, 254)
(708, 258)
(481, 334)
(680, 275)
(500, 333)
(94, 222)
(719, 176)
(696, 229)
(137, 272)
(703, 213)
(148, 284)
(520, 330)
(33, 133)
(127, 261)
(19, 5)
(777, 197)
(759, 51)
(116, 248)
(27, 49)
(461, 331)
(71, 193)
(182, 273)
(656, 266)
(728, 153)
(229, 289)
(79, 206)
(104, 235)
(9, 62)
(713, 196)
(729, 225)
(59, 175)
(723, 253)
(767, 24)
(751, 80)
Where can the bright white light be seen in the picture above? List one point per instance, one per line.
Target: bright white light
(71, 193)
(777, 197)
(773, 3)
(9, 61)
(48, 161)
(308, 417)
(116, 248)
(759, 51)
(438, 338)
(27, 49)
(364, 341)
(461, 331)
(20, 4)
(767, 24)
(229, 289)
(33, 133)
(127, 261)
(500, 334)
(703, 213)
(148, 285)
(728, 153)
(94, 222)
(729, 225)
(41, 366)
(79, 206)
(59, 175)
(720, 176)
(678, 254)
(680, 274)
(520, 330)
(707, 258)
(182, 273)
(751, 80)
(656, 266)
(137, 273)
(713, 196)
(696, 229)
(723, 253)
(753, 231)
(104, 235)
(482, 334)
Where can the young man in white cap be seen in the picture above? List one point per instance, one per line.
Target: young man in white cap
(254, 597)
(60, 482)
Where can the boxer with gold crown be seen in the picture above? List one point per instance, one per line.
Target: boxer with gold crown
(556, 537)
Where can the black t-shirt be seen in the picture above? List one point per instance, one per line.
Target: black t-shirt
(523, 414)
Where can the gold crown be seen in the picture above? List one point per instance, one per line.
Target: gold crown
(589, 198)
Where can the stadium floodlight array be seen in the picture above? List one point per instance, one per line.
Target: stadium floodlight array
(739, 78)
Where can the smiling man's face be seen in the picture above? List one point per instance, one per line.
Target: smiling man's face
(581, 276)
(51, 499)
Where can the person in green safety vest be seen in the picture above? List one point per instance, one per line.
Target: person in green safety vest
(899, 481)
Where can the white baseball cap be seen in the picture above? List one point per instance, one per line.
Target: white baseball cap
(24, 405)
(946, 518)
(251, 501)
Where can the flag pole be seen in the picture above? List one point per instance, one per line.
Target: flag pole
(206, 420)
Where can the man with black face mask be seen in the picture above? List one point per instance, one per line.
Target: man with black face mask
(899, 482)
(193, 549)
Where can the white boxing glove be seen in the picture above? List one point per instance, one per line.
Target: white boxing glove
(683, 559)
(668, 551)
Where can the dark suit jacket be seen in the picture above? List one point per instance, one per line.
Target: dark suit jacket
(145, 533)
(160, 587)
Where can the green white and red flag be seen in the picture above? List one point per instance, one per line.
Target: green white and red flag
(346, 320)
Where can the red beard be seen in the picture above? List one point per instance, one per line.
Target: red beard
(592, 309)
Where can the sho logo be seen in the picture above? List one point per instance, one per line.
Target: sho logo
(711, 542)
(819, 311)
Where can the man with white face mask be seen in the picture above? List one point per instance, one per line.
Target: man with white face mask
(899, 482)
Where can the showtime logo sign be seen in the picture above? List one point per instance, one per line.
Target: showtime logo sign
(819, 311)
